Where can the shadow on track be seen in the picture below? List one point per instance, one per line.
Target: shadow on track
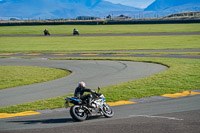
(46, 121)
(54, 121)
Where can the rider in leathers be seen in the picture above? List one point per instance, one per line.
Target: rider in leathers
(79, 93)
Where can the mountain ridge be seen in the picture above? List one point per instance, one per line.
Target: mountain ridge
(160, 5)
(70, 9)
(60, 8)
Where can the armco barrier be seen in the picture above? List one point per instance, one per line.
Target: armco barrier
(107, 22)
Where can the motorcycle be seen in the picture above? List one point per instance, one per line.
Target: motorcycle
(75, 32)
(46, 32)
(80, 112)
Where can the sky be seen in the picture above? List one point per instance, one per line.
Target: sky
(134, 3)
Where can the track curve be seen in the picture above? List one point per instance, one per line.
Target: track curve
(180, 115)
(128, 118)
(94, 73)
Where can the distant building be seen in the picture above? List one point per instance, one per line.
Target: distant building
(86, 18)
(123, 17)
(14, 19)
(109, 17)
(185, 15)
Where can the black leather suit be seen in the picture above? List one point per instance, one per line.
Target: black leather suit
(79, 91)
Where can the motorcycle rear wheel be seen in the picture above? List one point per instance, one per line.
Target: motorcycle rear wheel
(77, 113)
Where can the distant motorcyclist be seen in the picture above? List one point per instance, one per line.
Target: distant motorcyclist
(79, 91)
(46, 32)
(75, 32)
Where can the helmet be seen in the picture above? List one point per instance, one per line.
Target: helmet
(81, 84)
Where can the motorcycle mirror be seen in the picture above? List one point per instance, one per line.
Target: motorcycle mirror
(98, 89)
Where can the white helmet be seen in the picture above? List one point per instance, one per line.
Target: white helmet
(81, 84)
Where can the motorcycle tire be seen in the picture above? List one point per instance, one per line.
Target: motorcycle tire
(107, 111)
(76, 114)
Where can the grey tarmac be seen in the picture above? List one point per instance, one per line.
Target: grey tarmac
(177, 115)
(95, 73)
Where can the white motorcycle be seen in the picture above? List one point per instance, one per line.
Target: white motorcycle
(80, 112)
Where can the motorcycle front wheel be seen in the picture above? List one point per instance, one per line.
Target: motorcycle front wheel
(107, 111)
(77, 113)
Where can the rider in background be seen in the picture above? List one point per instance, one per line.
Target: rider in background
(75, 32)
(79, 91)
(46, 32)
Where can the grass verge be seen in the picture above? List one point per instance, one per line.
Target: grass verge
(12, 76)
(183, 74)
(92, 29)
(66, 44)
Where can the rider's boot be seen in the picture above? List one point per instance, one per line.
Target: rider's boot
(89, 103)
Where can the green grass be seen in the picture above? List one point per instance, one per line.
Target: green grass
(183, 74)
(66, 44)
(12, 76)
(92, 29)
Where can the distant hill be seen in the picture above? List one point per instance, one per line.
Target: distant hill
(134, 3)
(174, 6)
(67, 9)
(54, 9)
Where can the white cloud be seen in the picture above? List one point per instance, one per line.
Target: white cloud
(134, 3)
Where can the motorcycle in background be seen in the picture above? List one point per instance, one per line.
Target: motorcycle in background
(46, 33)
(75, 32)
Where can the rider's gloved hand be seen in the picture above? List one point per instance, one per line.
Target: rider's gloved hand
(98, 94)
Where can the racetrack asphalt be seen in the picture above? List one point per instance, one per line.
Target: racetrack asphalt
(179, 115)
(94, 73)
